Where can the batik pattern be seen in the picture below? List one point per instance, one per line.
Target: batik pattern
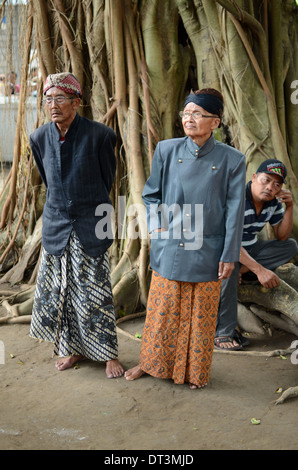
(65, 81)
(178, 335)
(73, 304)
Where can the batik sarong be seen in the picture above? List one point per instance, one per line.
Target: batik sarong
(178, 335)
(73, 305)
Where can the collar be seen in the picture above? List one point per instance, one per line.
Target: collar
(248, 191)
(197, 151)
(71, 131)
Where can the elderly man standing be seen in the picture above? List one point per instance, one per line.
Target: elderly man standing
(195, 205)
(73, 304)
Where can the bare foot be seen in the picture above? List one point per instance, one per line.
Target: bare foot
(67, 362)
(134, 373)
(194, 387)
(114, 369)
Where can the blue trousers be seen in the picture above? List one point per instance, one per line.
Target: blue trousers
(268, 253)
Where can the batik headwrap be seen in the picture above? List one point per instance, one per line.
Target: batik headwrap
(65, 81)
(207, 101)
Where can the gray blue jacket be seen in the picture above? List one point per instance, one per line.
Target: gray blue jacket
(198, 196)
(78, 176)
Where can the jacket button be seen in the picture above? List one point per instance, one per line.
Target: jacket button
(181, 244)
(179, 161)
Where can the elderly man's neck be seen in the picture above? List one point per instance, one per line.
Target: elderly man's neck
(63, 127)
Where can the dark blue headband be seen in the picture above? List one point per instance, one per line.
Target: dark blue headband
(210, 103)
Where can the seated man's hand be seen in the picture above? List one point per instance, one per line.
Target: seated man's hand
(285, 196)
(267, 278)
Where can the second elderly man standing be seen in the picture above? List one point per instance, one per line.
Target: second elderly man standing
(73, 305)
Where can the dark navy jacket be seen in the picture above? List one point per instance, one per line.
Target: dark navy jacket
(78, 176)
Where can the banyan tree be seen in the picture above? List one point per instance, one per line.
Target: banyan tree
(136, 61)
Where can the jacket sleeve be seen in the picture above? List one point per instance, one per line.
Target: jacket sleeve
(107, 158)
(38, 159)
(152, 193)
(235, 206)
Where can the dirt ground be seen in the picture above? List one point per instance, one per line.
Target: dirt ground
(80, 409)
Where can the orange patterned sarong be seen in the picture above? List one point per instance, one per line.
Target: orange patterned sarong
(179, 330)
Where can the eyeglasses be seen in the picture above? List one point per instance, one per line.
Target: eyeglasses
(58, 99)
(196, 115)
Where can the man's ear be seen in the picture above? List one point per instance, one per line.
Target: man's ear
(253, 177)
(76, 103)
(215, 124)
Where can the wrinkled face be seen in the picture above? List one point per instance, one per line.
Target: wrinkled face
(265, 187)
(198, 127)
(62, 113)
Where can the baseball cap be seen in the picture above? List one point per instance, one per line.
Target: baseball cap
(273, 166)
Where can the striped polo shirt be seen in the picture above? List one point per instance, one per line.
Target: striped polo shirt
(272, 212)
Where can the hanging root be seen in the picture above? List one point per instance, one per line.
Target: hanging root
(291, 392)
(18, 307)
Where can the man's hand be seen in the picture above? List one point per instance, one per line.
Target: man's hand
(283, 230)
(267, 278)
(285, 196)
(225, 270)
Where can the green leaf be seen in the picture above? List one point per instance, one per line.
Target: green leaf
(255, 421)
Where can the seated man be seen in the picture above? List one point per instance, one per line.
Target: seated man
(264, 198)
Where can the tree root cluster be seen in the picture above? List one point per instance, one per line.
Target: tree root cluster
(261, 309)
(291, 392)
(16, 306)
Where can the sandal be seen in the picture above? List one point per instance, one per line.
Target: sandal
(225, 339)
(241, 339)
